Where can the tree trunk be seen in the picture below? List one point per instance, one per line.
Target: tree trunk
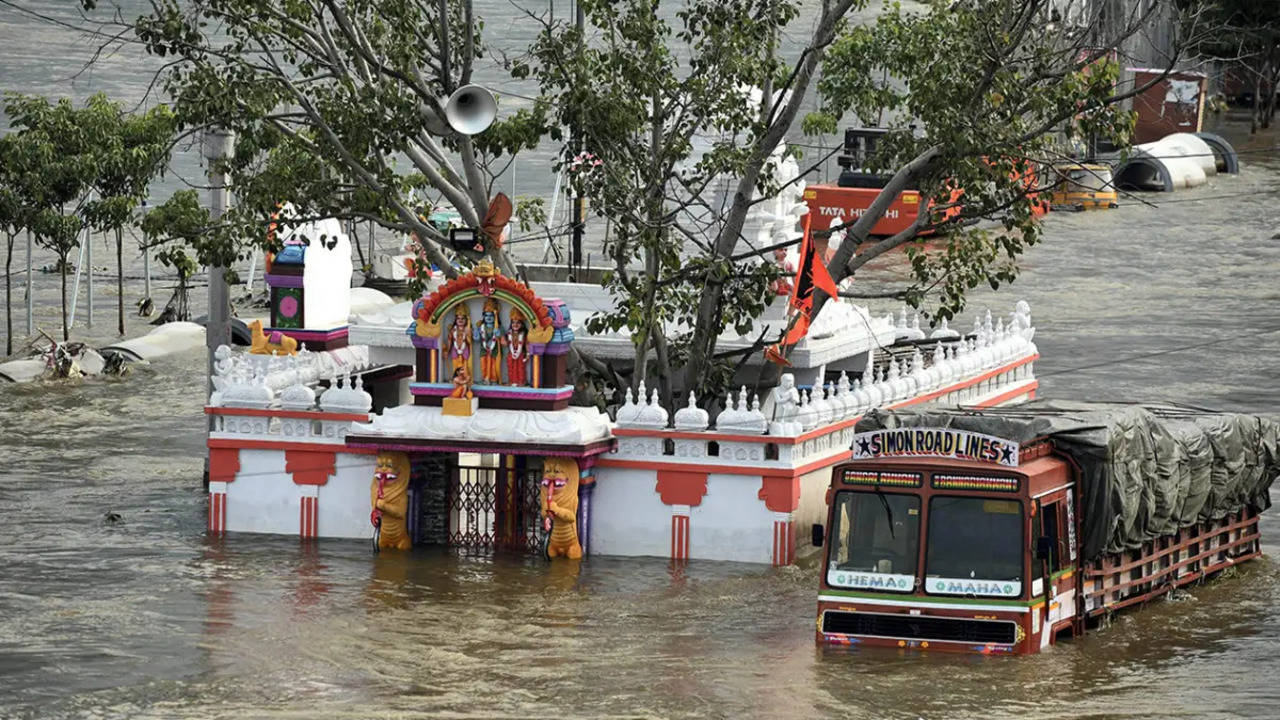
(8, 299)
(1257, 103)
(654, 212)
(1273, 75)
(62, 272)
(664, 371)
(120, 277)
(843, 263)
(707, 324)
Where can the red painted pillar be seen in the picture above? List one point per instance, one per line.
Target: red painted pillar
(784, 539)
(781, 494)
(683, 491)
(680, 532)
(308, 510)
(310, 469)
(224, 463)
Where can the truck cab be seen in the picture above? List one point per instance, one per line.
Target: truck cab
(948, 540)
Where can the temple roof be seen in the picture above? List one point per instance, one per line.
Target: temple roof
(571, 431)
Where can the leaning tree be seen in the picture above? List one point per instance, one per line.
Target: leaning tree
(663, 109)
(980, 96)
(338, 108)
(977, 94)
(337, 105)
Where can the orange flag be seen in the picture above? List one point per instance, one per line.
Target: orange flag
(811, 274)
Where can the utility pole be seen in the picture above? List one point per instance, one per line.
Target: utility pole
(218, 144)
(88, 242)
(579, 202)
(146, 260)
(31, 326)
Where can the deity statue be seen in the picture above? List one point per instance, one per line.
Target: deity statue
(560, 507)
(786, 398)
(462, 383)
(389, 496)
(457, 341)
(489, 334)
(516, 341)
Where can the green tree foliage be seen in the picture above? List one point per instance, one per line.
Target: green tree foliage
(639, 96)
(978, 93)
(133, 150)
(56, 166)
(337, 109)
(59, 156)
(15, 215)
(178, 228)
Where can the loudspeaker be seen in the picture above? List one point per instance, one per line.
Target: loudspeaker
(471, 109)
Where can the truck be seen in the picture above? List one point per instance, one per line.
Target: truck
(1003, 531)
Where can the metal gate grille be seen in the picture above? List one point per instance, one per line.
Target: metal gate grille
(494, 508)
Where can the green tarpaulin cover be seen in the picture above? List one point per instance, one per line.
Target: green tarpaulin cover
(1146, 470)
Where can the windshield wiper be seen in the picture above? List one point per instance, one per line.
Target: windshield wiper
(888, 511)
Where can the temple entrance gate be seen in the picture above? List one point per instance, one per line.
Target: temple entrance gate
(490, 380)
(476, 506)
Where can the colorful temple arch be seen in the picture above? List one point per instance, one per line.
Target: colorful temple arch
(510, 342)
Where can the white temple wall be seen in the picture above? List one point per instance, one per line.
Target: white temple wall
(343, 508)
(627, 515)
(732, 522)
(263, 497)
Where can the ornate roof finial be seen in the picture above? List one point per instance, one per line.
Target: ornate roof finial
(692, 417)
(485, 268)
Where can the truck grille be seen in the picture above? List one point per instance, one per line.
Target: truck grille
(918, 627)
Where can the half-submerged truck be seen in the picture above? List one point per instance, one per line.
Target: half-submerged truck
(1003, 530)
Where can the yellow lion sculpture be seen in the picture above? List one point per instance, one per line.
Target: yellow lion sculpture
(560, 507)
(389, 496)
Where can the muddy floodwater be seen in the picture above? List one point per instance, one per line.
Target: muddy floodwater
(113, 603)
(146, 617)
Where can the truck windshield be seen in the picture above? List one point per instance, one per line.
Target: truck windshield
(875, 540)
(974, 547)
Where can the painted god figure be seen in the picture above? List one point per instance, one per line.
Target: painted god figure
(488, 334)
(462, 383)
(560, 507)
(457, 341)
(516, 341)
(389, 496)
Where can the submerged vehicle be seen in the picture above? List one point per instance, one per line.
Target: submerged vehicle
(858, 187)
(1003, 530)
(1083, 186)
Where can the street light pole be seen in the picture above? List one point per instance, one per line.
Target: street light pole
(218, 144)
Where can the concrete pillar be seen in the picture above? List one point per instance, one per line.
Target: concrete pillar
(217, 508)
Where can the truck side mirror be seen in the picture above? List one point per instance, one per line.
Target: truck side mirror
(819, 534)
(1044, 547)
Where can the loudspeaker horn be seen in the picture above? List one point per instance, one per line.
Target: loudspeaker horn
(471, 109)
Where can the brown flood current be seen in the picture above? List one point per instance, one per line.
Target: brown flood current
(146, 617)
